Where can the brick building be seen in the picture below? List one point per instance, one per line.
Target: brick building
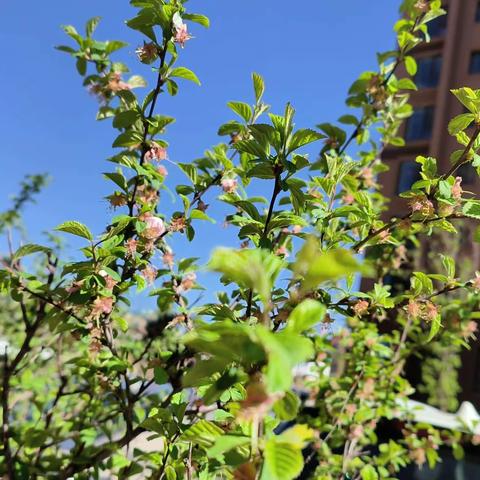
(450, 60)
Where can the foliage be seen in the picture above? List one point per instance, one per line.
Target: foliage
(213, 384)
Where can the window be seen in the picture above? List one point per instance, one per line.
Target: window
(409, 174)
(419, 125)
(428, 74)
(468, 173)
(475, 62)
(438, 26)
(477, 13)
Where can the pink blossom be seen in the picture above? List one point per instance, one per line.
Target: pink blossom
(368, 177)
(421, 205)
(356, 432)
(383, 236)
(162, 170)
(116, 84)
(131, 247)
(101, 305)
(168, 258)
(147, 195)
(181, 34)
(457, 189)
(155, 226)
(117, 200)
(431, 311)
(148, 53)
(178, 224)
(188, 282)
(476, 281)
(149, 273)
(229, 185)
(348, 199)
(282, 251)
(361, 307)
(109, 281)
(413, 309)
(470, 328)
(350, 409)
(156, 152)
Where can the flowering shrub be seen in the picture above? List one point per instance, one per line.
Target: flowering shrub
(212, 385)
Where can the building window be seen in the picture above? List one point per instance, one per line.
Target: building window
(438, 26)
(419, 125)
(477, 13)
(475, 62)
(468, 173)
(429, 70)
(409, 174)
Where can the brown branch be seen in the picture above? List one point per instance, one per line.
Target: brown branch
(463, 157)
(277, 188)
(7, 452)
(146, 121)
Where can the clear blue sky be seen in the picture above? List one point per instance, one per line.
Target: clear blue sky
(309, 53)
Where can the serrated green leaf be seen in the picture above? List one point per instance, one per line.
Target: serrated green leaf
(226, 443)
(75, 228)
(282, 461)
(368, 472)
(258, 86)
(197, 18)
(242, 109)
(460, 123)
(29, 249)
(185, 73)
(203, 433)
(199, 215)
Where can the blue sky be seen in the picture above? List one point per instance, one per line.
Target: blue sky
(309, 53)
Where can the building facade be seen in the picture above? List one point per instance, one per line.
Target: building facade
(451, 60)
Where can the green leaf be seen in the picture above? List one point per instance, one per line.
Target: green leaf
(199, 215)
(128, 139)
(92, 25)
(203, 433)
(242, 109)
(160, 375)
(303, 137)
(460, 123)
(249, 268)
(316, 266)
(468, 98)
(304, 316)
(125, 119)
(282, 461)
(471, 209)
(368, 472)
(136, 81)
(406, 84)
(29, 249)
(118, 179)
(348, 120)
(411, 65)
(197, 18)
(185, 73)
(75, 228)
(435, 325)
(226, 443)
(285, 350)
(81, 66)
(287, 407)
(258, 86)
